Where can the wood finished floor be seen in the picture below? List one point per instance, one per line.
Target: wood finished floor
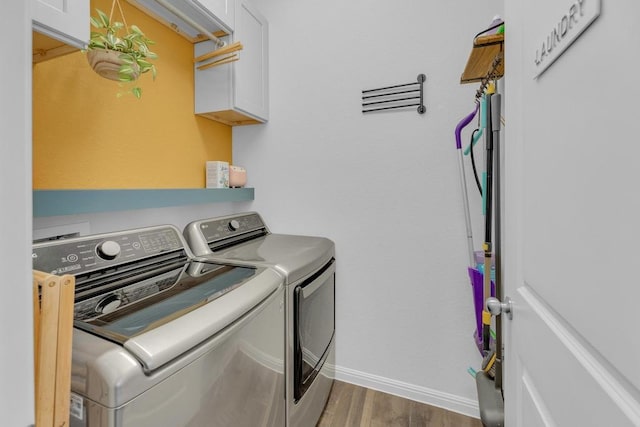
(351, 406)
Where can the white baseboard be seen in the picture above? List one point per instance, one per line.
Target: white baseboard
(450, 402)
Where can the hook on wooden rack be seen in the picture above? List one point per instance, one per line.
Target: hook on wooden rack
(492, 74)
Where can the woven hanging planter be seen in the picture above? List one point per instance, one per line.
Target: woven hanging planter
(107, 63)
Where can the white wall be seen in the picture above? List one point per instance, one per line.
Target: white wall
(383, 186)
(16, 350)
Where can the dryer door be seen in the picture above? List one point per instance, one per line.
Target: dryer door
(314, 326)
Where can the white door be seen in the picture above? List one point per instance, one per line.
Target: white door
(572, 214)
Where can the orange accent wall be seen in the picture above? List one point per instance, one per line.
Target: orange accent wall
(85, 136)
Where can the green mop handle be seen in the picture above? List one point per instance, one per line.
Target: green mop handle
(483, 126)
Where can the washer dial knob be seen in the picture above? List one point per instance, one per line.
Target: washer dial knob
(234, 225)
(108, 250)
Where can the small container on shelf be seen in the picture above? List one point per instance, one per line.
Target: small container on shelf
(217, 174)
(237, 176)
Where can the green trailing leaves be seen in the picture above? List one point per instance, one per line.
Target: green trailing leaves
(104, 19)
(136, 30)
(96, 23)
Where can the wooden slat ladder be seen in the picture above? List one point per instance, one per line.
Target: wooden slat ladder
(53, 298)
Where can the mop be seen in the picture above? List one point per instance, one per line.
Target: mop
(474, 273)
(463, 179)
(475, 269)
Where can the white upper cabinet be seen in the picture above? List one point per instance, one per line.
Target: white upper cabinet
(64, 20)
(237, 93)
(223, 10)
(251, 78)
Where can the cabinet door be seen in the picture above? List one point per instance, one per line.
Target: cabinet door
(64, 20)
(251, 77)
(222, 10)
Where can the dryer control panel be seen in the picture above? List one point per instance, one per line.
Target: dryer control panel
(220, 228)
(207, 236)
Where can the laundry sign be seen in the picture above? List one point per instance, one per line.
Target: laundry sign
(567, 26)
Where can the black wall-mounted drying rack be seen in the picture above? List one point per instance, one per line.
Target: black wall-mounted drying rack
(397, 96)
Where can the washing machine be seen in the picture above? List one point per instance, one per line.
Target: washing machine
(162, 340)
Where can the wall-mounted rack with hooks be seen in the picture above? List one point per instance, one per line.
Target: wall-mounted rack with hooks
(482, 59)
(396, 96)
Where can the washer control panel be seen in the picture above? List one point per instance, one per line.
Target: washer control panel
(97, 252)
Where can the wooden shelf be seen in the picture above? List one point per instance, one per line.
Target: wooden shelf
(70, 202)
(480, 62)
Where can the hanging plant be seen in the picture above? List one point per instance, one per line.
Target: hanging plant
(119, 57)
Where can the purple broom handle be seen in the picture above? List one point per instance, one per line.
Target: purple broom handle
(463, 123)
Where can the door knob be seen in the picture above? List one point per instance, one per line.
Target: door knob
(497, 307)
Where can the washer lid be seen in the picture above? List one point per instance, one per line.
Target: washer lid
(293, 256)
(205, 300)
(165, 343)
